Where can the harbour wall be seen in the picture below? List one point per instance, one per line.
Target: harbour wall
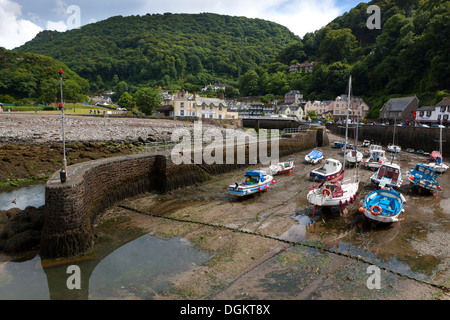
(417, 138)
(94, 186)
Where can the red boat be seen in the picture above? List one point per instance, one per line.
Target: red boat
(434, 155)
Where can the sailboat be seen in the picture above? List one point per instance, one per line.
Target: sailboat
(436, 156)
(336, 191)
(353, 156)
(392, 147)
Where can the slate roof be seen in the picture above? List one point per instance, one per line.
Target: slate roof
(398, 104)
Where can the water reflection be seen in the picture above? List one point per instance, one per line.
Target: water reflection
(139, 269)
(33, 196)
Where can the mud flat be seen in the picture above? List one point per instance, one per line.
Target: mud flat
(270, 246)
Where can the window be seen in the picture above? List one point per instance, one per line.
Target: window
(422, 113)
(337, 112)
(428, 113)
(182, 113)
(211, 107)
(445, 117)
(442, 109)
(220, 107)
(210, 116)
(203, 107)
(203, 116)
(193, 114)
(220, 116)
(181, 104)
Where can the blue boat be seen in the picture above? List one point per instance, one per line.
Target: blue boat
(383, 205)
(314, 157)
(339, 144)
(254, 181)
(424, 177)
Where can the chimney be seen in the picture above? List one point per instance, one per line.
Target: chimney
(178, 95)
(183, 93)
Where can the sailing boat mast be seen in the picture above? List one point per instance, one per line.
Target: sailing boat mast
(346, 121)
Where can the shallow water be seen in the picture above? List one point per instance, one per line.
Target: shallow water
(137, 270)
(21, 198)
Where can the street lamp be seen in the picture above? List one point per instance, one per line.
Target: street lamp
(63, 172)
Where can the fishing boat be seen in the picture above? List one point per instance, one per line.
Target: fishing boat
(424, 177)
(374, 147)
(375, 159)
(282, 167)
(383, 205)
(314, 157)
(410, 150)
(254, 181)
(329, 170)
(392, 147)
(388, 175)
(335, 191)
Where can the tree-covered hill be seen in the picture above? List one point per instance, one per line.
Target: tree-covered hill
(167, 49)
(409, 54)
(34, 76)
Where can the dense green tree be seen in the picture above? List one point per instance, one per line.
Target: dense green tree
(338, 45)
(125, 100)
(147, 99)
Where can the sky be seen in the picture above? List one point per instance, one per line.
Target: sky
(21, 20)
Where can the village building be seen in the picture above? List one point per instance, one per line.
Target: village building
(434, 114)
(305, 67)
(399, 109)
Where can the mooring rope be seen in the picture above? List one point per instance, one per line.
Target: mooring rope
(309, 245)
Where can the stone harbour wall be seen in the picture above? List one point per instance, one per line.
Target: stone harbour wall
(92, 187)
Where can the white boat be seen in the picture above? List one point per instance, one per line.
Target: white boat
(337, 191)
(383, 205)
(353, 156)
(314, 157)
(329, 170)
(254, 181)
(333, 193)
(388, 175)
(366, 143)
(392, 147)
(375, 159)
(439, 166)
(282, 167)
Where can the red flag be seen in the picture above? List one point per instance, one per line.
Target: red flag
(414, 114)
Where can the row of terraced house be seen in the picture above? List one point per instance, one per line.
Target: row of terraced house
(184, 104)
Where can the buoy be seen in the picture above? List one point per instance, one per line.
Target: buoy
(267, 186)
(361, 203)
(361, 209)
(439, 187)
(273, 181)
(259, 189)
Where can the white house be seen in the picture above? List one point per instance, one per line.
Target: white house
(434, 114)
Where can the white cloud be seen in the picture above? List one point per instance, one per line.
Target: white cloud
(300, 16)
(57, 26)
(15, 31)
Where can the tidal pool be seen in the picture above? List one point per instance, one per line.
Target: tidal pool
(139, 269)
(21, 198)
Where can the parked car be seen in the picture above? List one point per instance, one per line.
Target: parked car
(424, 126)
(437, 126)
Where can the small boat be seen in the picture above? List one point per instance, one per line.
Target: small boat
(426, 154)
(353, 156)
(434, 155)
(314, 157)
(329, 170)
(424, 177)
(366, 143)
(333, 193)
(282, 167)
(419, 151)
(254, 181)
(383, 205)
(438, 166)
(375, 159)
(374, 147)
(339, 144)
(394, 148)
(388, 175)
(410, 150)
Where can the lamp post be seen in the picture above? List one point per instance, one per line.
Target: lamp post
(63, 172)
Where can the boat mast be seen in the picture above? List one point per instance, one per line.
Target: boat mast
(346, 121)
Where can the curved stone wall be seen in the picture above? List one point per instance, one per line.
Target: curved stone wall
(94, 186)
